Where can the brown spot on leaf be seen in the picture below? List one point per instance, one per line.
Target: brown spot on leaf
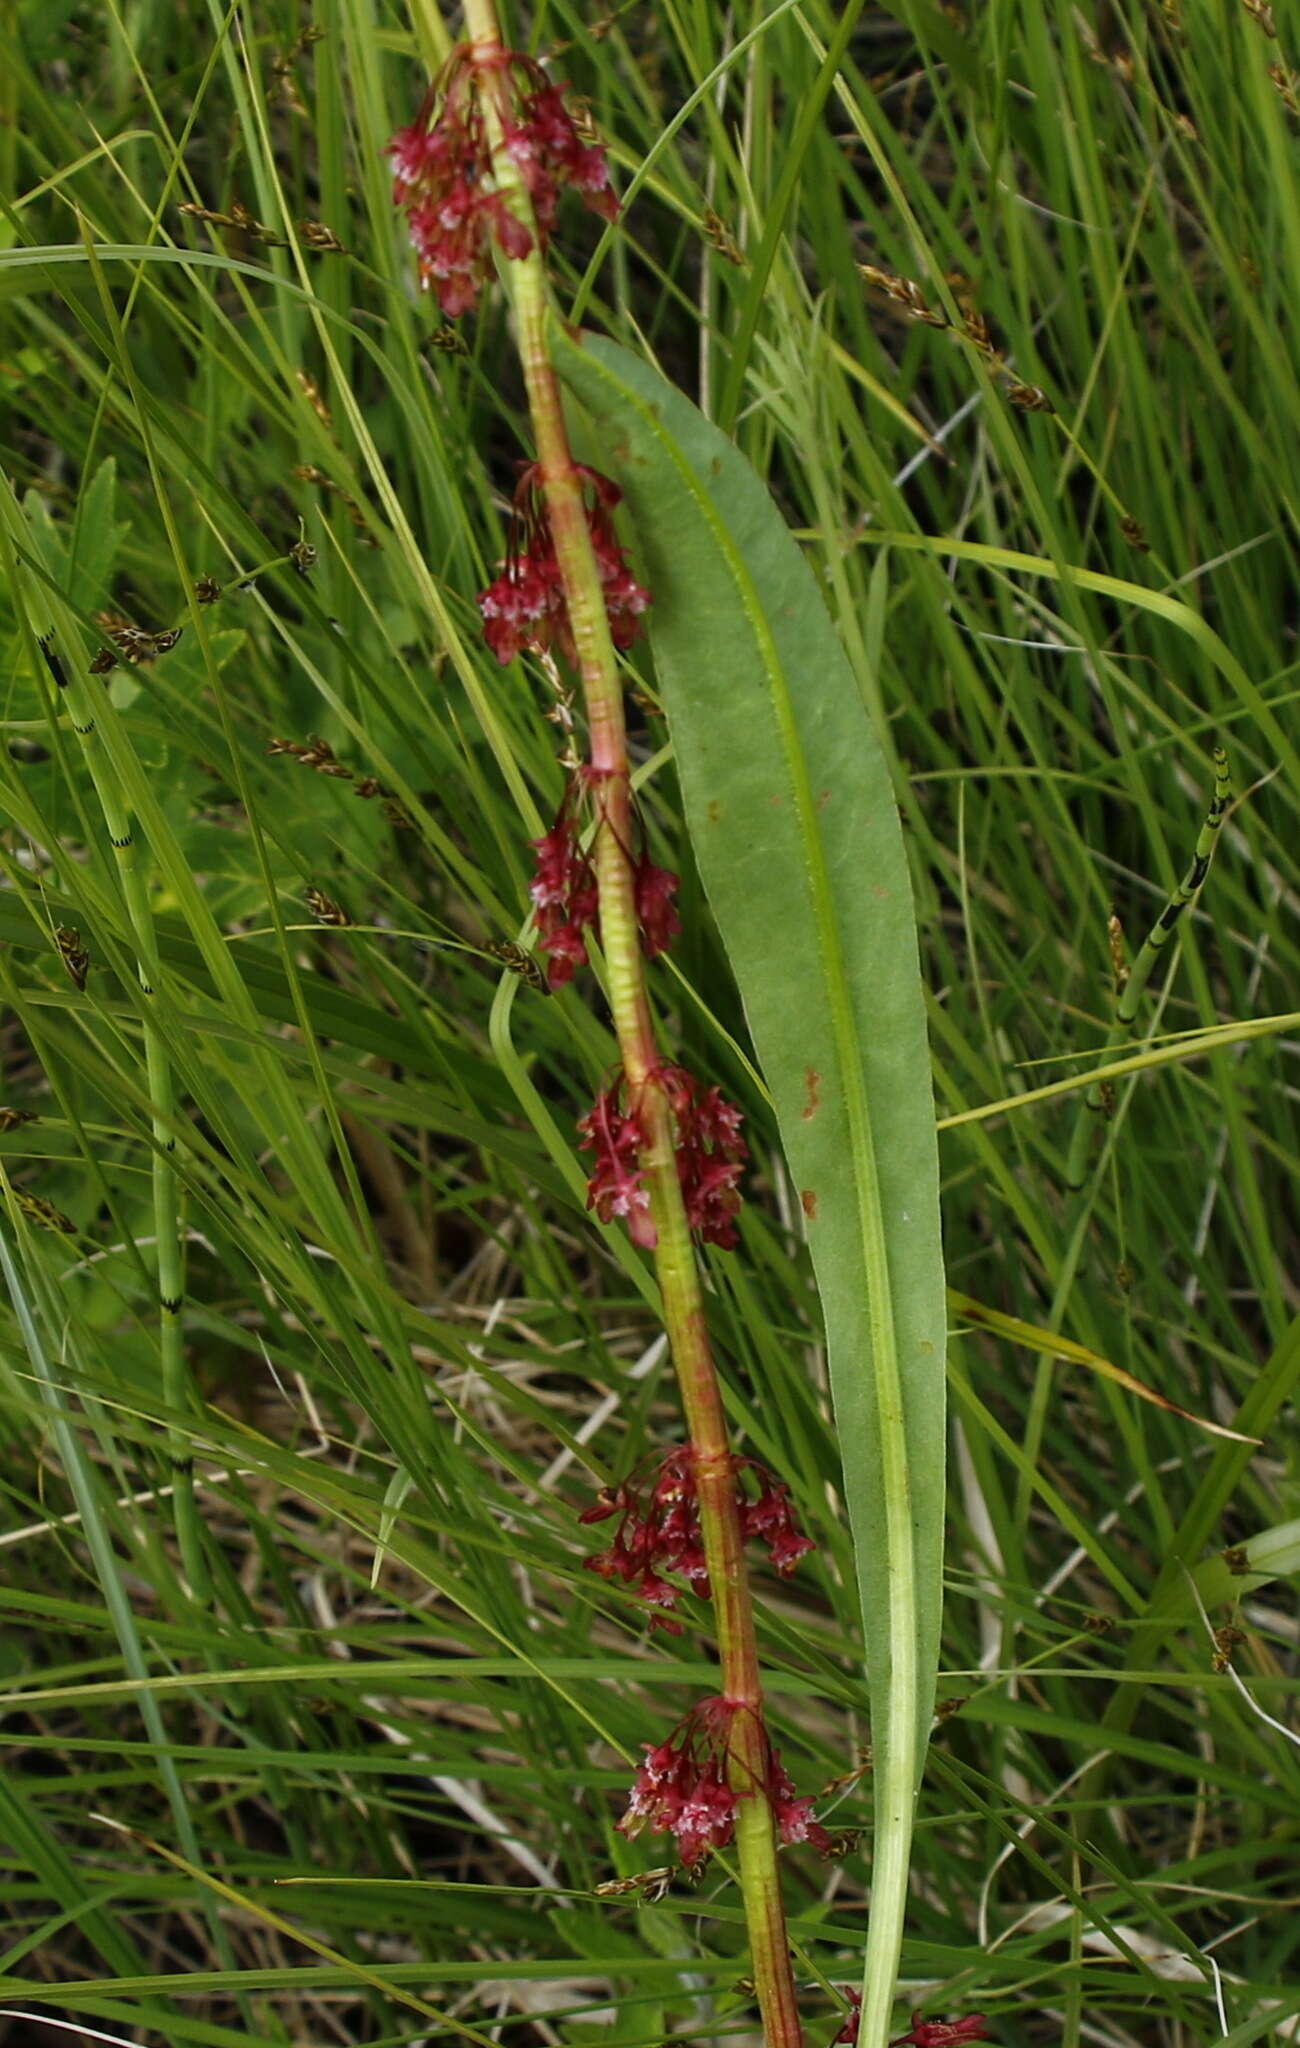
(809, 1200)
(823, 799)
(812, 1082)
(713, 810)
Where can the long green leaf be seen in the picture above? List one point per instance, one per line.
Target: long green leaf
(794, 824)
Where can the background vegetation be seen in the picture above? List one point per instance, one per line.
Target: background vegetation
(413, 1356)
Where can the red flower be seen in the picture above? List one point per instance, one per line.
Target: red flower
(523, 606)
(794, 1821)
(659, 1531)
(848, 2033)
(684, 1786)
(526, 607)
(549, 152)
(710, 1155)
(682, 1789)
(771, 1517)
(566, 896)
(942, 2033)
(922, 2033)
(655, 911)
(616, 1187)
(564, 891)
(443, 174)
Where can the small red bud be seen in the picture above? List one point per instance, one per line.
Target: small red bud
(925, 2033)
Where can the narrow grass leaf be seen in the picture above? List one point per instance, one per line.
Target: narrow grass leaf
(1051, 1344)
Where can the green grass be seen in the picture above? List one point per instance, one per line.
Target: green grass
(411, 1354)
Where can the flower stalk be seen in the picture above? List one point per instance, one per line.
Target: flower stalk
(667, 1152)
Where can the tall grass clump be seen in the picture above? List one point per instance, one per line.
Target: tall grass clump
(588, 757)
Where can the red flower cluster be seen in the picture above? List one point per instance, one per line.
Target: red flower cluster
(922, 2033)
(710, 1155)
(683, 1788)
(549, 153)
(794, 1817)
(443, 173)
(565, 894)
(616, 1186)
(770, 1517)
(656, 913)
(659, 1529)
(568, 905)
(657, 1532)
(526, 607)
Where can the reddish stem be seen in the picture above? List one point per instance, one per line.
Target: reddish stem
(675, 1259)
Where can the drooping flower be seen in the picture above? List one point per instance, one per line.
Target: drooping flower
(545, 144)
(525, 606)
(771, 1518)
(616, 1186)
(794, 1817)
(565, 894)
(656, 912)
(922, 2033)
(710, 1155)
(682, 1789)
(564, 886)
(925, 2033)
(709, 1149)
(848, 2033)
(443, 174)
(687, 1786)
(658, 1531)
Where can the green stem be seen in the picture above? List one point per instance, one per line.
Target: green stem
(675, 1262)
(1133, 987)
(74, 693)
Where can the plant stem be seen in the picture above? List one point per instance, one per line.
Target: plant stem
(64, 660)
(1129, 991)
(675, 1262)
